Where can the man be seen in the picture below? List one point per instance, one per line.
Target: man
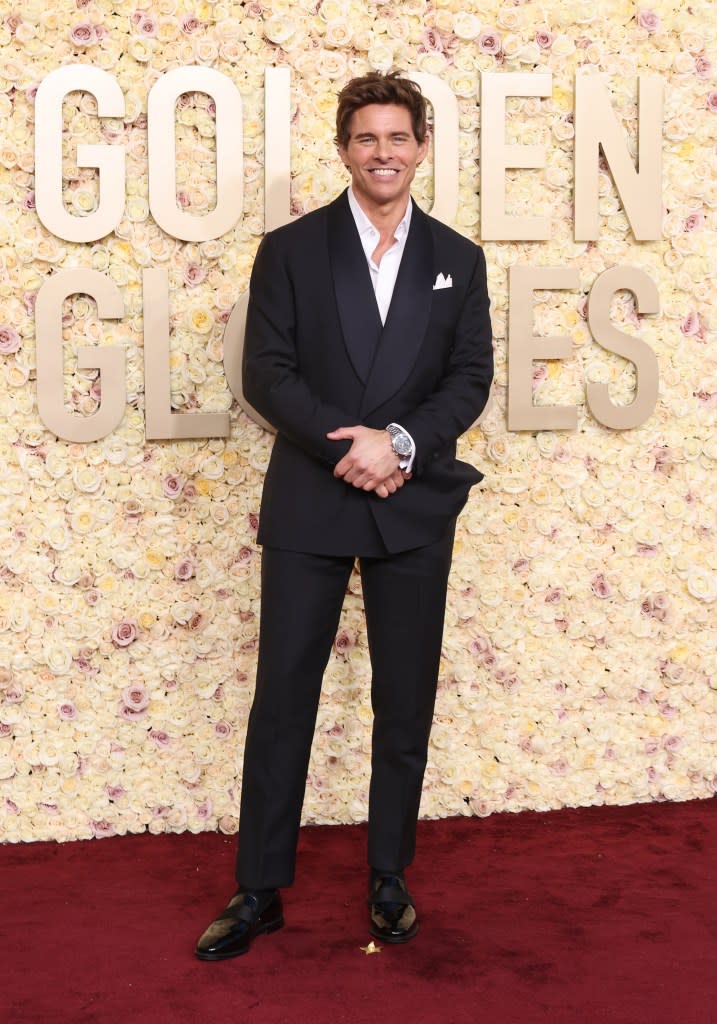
(368, 347)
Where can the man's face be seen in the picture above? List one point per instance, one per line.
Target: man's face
(382, 154)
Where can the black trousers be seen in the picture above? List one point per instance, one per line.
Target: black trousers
(301, 600)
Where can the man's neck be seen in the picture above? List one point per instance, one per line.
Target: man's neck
(385, 217)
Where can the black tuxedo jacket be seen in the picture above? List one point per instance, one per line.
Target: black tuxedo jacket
(316, 357)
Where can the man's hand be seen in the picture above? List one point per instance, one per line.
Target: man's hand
(391, 484)
(371, 462)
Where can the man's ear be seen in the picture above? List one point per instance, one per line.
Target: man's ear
(424, 146)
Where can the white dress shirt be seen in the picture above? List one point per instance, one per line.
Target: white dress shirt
(384, 274)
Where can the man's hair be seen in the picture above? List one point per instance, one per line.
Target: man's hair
(379, 88)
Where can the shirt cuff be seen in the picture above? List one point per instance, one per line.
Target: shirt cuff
(406, 463)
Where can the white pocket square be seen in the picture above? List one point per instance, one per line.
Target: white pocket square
(443, 282)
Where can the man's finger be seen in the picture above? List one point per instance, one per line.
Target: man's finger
(341, 433)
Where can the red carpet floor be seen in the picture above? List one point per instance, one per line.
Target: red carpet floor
(573, 917)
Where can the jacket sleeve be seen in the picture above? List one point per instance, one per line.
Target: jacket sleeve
(271, 379)
(461, 394)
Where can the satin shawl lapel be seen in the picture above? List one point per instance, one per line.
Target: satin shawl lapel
(407, 318)
(358, 312)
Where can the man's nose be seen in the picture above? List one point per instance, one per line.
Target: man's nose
(383, 149)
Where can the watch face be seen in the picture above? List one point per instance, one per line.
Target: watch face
(402, 444)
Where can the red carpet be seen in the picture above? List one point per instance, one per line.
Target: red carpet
(573, 917)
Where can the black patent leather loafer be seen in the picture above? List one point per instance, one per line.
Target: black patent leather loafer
(249, 913)
(392, 912)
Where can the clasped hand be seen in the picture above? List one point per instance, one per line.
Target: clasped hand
(370, 463)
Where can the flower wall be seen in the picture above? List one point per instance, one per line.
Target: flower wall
(580, 660)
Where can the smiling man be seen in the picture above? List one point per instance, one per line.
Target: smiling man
(368, 347)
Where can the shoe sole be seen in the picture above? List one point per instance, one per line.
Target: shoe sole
(266, 929)
(395, 939)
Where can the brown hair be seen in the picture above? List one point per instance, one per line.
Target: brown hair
(379, 88)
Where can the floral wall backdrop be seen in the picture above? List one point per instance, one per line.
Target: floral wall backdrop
(580, 660)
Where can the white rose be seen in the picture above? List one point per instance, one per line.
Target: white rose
(702, 583)
(58, 659)
(466, 26)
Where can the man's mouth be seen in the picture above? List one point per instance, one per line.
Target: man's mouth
(383, 172)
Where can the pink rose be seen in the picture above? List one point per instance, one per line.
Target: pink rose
(489, 42)
(711, 101)
(135, 697)
(67, 711)
(344, 641)
(648, 20)
(147, 26)
(601, 587)
(664, 459)
(102, 829)
(431, 40)
(196, 623)
(691, 324)
(160, 738)
(5, 730)
(115, 792)
(222, 729)
(12, 22)
(204, 809)
(544, 38)
(10, 340)
(124, 633)
(183, 199)
(694, 220)
(172, 486)
(194, 274)
(83, 34)
(190, 23)
(703, 66)
(184, 570)
(14, 693)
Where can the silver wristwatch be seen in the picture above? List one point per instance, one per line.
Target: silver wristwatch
(400, 441)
